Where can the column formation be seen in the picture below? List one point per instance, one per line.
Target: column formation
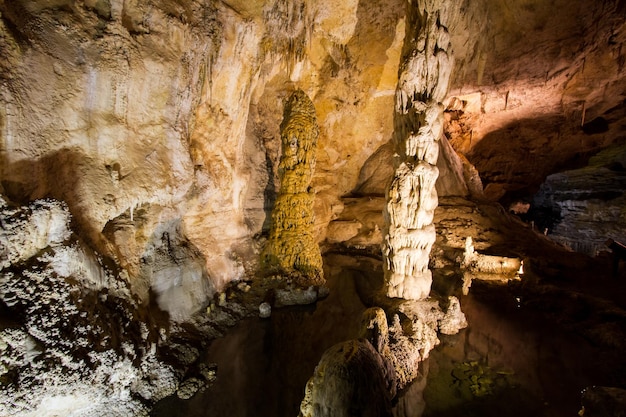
(291, 247)
(418, 124)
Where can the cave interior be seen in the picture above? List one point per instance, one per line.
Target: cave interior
(308, 207)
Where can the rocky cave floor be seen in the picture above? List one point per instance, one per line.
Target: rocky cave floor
(531, 348)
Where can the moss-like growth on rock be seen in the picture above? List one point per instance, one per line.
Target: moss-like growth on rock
(291, 248)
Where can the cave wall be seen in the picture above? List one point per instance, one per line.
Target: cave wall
(543, 81)
(157, 122)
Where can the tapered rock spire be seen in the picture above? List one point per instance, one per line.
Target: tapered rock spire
(412, 198)
(291, 246)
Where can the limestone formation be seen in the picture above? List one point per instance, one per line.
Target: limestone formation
(487, 267)
(582, 208)
(291, 246)
(76, 345)
(363, 376)
(412, 197)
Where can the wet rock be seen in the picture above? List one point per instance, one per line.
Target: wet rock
(349, 380)
(388, 355)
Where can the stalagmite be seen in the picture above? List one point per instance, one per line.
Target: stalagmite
(411, 197)
(291, 246)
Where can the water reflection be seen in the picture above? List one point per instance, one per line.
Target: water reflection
(510, 361)
(264, 364)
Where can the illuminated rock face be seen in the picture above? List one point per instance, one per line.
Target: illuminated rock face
(73, 324)
(291, 246)
(362, 376)
(412, 197)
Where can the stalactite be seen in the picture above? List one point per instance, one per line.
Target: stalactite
(291, 246)
(288, 31)
(411, 197)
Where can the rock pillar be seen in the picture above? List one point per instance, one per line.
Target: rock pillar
(291, 247)
(418, 123)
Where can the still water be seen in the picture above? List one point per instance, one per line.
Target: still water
(509, 361)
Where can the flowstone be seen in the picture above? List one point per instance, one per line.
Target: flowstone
(75, 344)
(291, 247)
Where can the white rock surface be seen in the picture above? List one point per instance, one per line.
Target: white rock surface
(77, 347)
(412, 196)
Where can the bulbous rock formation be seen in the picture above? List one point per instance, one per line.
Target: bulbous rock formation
(363, 376)
(291, 246)
(412, 197)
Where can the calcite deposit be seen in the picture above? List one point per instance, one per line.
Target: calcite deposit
(363, 376)
(412, 196)
(75, 344)
(144, 169)
(487, 267)
(291, 245)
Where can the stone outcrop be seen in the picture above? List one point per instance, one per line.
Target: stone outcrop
(582, 208)
(546, 86)
(412, 197)
(75, 344)
(291, 246)
(363, 376)
(475, 265)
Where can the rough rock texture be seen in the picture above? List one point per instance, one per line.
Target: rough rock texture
(161, 118)
(412, 197)
(157, 124)
(363, 376)
(351, 379)
(74, 344)
(291, 245)
(583, 208)
(537, 87)
(97, 99)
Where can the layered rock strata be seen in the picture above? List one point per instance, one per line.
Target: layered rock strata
(582, 208)
(291, 246)
(412, 197)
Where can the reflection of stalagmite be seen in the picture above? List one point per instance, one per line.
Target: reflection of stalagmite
(412, 198)
(291, 245)
(487, 267)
